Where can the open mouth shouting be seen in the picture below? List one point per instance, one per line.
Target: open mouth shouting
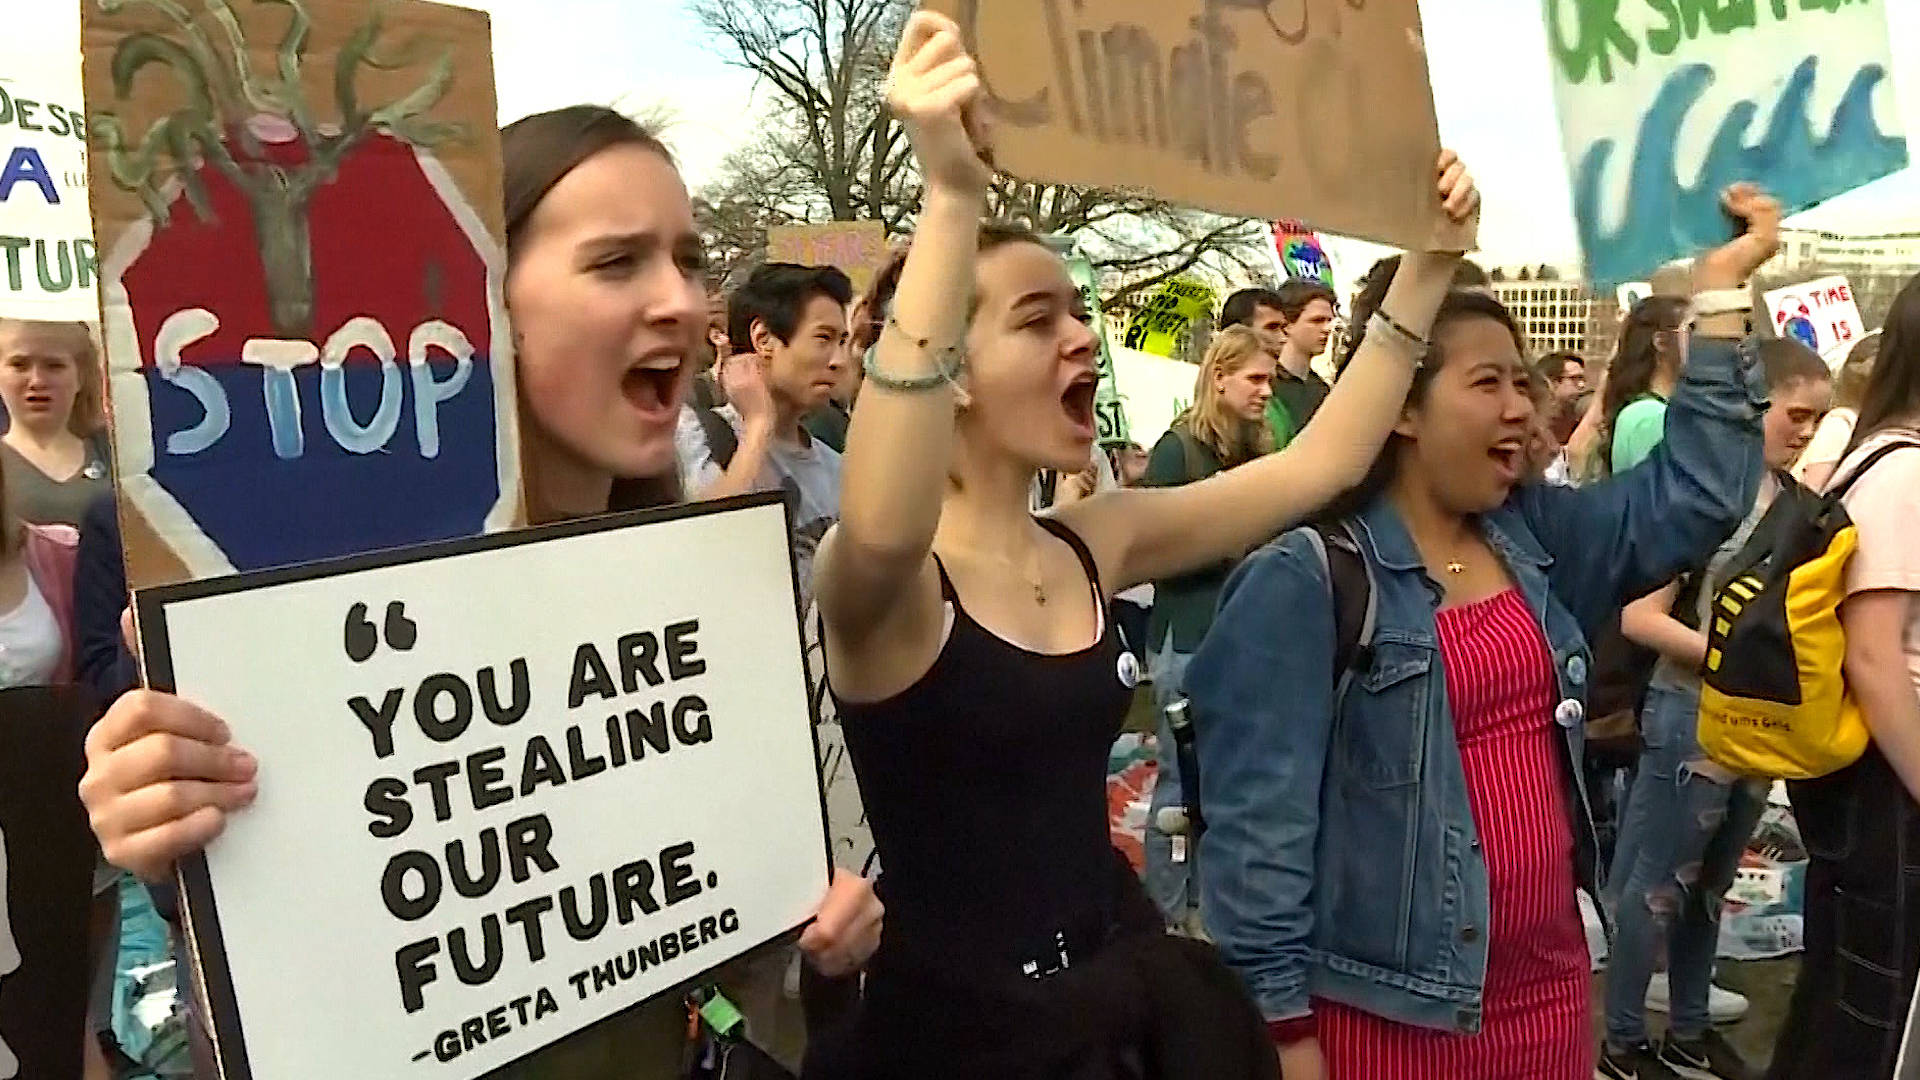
(653, 386)
(1509, 458)
(1077, 402)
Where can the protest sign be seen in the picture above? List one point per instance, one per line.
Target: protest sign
(511, 785)
(857, 248)
(47, 857)
(1164, 324)
(1819, 314)
(299, 215)
(1221, 104)
(47, 262)
(1300, 253)
(1109, 416)
(1663, 105)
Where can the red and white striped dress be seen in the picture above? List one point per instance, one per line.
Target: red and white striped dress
(1536, 1023)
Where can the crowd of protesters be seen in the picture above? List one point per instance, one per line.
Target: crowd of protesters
(1375, 872)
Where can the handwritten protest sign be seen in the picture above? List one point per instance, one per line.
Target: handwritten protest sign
(1220, 104)
(47, 855)
(1164, 324)
(1819, 314)
(857, 248)
(301, 272)
(502, 813)
(1662, 105)
(47, 260)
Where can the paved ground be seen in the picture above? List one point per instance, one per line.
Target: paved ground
(1768, 985)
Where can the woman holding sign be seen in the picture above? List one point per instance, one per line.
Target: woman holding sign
(605, 284)
(977, 677)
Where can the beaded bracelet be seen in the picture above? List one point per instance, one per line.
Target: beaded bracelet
(1387, 325)
(948, 364)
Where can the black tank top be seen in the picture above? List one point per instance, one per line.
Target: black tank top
(985, 786)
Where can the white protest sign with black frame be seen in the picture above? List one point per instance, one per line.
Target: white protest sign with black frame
(509, 785)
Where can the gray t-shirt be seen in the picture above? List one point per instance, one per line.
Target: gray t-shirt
(39, 499)
(811, 472)
(1668, 675)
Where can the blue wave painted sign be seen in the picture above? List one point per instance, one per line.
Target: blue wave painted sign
(1665, 102)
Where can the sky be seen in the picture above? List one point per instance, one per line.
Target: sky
(1488, 62)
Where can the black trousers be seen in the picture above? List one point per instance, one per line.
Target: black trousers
(1849, 1009)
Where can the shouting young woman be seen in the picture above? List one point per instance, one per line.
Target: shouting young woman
(605, 286)
(978, 680)
(1393, 849)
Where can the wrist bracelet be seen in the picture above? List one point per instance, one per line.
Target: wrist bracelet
(1713, 302)
(948, 364)
(1388, 326)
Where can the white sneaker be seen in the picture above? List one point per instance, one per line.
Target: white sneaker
(1723, 1006)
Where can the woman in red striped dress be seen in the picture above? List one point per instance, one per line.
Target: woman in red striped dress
(1388, 708)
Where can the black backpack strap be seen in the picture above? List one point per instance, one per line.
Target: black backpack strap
(722, 441)
(1837, 491)
(1354, 608)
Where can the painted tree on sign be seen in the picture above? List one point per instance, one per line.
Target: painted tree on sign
(228, 105)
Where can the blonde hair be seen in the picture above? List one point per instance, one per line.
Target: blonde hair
(1232, 439)
(89, 414)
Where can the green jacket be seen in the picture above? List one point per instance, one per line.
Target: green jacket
(1183, 606)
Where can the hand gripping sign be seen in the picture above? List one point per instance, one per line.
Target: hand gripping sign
(298, 208)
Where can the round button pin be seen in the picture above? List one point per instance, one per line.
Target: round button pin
(1577, 669)
(1569, 713)
(1129, 670)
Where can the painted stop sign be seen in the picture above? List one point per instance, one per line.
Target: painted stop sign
(319, 379)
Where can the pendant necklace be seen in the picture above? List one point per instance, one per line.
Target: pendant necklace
(1456, 567)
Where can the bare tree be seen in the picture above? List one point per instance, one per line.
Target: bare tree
(830, 150)
(224, 94)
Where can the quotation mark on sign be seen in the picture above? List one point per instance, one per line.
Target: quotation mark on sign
(363, 638)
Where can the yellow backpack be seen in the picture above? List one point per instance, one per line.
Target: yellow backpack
(1773, 699)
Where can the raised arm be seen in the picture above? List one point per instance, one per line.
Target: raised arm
(1622, 538)
(1148, 535)
(900, 443)
(1649, 623)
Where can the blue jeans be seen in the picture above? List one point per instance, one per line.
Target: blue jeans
(1679, 847)
(1173, 886)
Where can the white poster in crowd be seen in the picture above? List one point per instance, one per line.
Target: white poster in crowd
(1153, 390)
(47, 260)
(510, 786)
(1820, 314)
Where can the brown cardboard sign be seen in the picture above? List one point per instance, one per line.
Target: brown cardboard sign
(298, 210)
(857, 248)
(1314, 109)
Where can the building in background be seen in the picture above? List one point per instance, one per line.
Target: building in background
(1557, 312)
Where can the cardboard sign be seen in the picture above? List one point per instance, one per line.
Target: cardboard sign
(1301, 254)
(1662, 106)
(1164, 324)
(510, 785)
(1220, 104)
(47, 857)
(299, 213)
(47, 261)
(1819, 314)
(858, 248)
(1109, 417)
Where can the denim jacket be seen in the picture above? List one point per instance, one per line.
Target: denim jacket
(1340, 858)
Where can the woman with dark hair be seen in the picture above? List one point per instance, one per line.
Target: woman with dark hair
(1394, 837)
(605, 283)
(1835, 435)
(1861, 825)
(1645, 370)
(978, 679)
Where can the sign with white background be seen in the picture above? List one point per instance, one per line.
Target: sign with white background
(48, 265)
(1820, 314)
(509, 786)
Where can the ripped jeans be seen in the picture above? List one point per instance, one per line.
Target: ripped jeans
(1684, 831)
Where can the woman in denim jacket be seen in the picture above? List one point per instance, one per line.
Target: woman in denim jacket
(1394, 873)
